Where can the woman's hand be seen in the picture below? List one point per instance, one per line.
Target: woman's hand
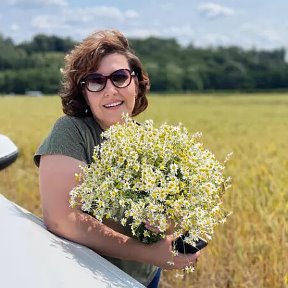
(162, 253)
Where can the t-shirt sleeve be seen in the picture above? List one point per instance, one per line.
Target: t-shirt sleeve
(65, 138)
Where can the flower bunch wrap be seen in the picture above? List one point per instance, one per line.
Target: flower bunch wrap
(160, 175)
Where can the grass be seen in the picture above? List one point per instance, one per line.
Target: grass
(251, 249)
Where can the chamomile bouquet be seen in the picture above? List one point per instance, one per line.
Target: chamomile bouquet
(158, 175)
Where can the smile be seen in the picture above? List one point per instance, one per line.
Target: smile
(115, 104)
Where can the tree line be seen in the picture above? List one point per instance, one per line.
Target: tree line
(35, 66)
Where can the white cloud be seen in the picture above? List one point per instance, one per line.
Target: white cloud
(105, 11)
(213, 10)
(184, 33)
(141, 32)
(212, 39)
(79, 22)
(167, 6)
(62, 3)
(9, 2)
(22, 19)
(96, 15)
(14, 27)
(265, 35)
(131, 14)
(78, 16)
(271, 36)
(264, 32)
(184, 30)
(45, 22)
(28, 4)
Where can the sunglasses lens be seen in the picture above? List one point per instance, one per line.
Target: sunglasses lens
(96, 82)
(121, 78)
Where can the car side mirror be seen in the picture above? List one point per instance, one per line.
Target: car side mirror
(8, 152)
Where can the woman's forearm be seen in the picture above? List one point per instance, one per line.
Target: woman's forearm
(84, 229)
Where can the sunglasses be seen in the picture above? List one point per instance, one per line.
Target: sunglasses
(96, 82)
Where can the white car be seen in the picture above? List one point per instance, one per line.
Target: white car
(32, 257)
(8, 151)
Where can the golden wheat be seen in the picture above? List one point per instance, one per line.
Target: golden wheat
(251, 249)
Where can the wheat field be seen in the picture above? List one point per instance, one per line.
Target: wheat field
(251, 248)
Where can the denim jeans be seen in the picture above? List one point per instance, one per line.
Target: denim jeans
(154, 283)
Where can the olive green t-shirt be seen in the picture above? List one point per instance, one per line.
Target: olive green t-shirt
(76, 137)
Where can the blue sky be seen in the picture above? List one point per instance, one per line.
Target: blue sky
(245, 23)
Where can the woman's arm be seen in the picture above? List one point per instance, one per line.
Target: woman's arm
(56, 179)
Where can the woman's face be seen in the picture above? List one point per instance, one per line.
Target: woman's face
(108, 105)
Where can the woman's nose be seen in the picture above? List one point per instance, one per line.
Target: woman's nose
(110, 88)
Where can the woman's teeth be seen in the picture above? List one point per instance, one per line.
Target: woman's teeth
(113, 104)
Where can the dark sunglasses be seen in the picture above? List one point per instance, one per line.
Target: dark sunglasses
(96, 82)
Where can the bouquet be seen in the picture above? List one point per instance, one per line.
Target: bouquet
(162, 176)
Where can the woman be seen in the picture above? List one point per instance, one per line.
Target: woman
(102, 79)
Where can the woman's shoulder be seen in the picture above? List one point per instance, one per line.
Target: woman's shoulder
(71, 121)
(67, 120)
(70, 136)
(79, 123)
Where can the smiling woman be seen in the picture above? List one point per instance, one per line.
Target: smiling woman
(114, 97)
(102, 79)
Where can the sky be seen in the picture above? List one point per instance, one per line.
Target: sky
(257, 24)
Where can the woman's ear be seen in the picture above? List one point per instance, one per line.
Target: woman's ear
(136, 88)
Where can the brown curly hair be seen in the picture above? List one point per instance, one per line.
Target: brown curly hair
(85, 58)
